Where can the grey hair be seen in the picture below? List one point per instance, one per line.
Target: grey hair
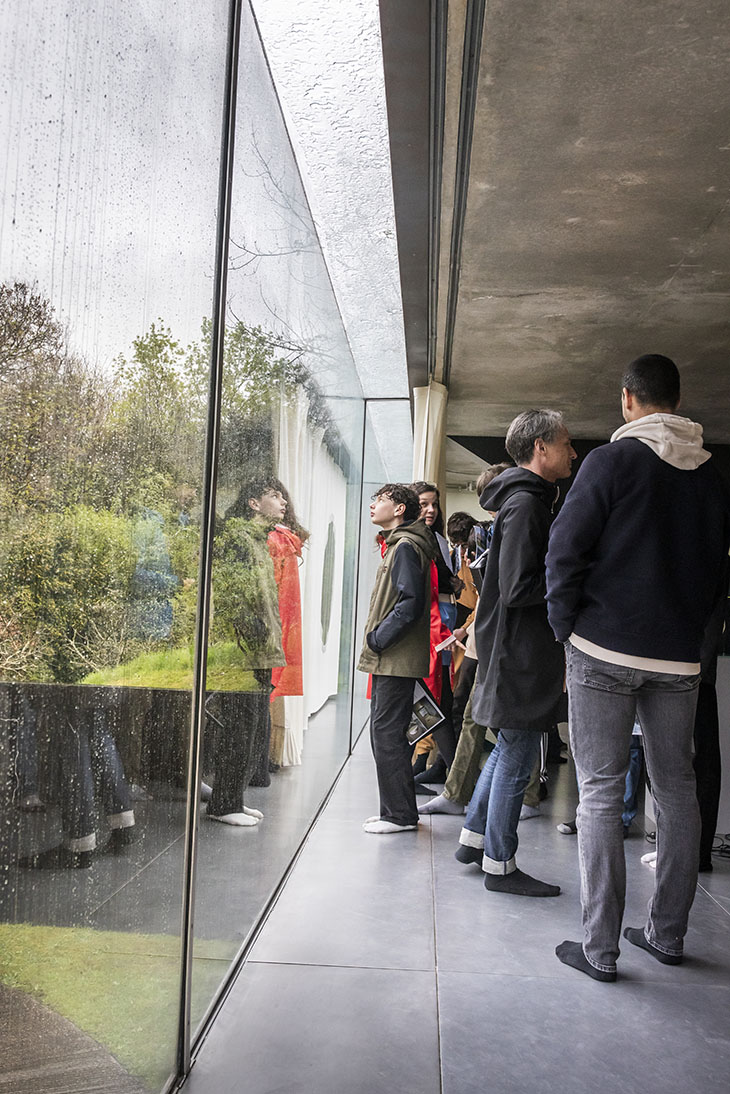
(528, 427)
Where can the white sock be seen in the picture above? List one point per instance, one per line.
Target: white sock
(381, 827)
(238, 820)
(649, 859)
(441, 804)
(253, 813)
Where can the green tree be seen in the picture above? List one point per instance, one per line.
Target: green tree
(155, 425)
(52, 408)
(66, 579)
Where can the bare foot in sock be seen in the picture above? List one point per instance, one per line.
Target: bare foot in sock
(571, 953)
(519, 884)
(379, 827)
(237, 820)
(469, 855)
(529, 812)
(441, 804)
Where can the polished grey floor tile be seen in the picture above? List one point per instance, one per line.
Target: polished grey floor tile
(339, 992)
(508, 1034)
(355, 798)
(718, 882)
(355, 899)
(304, 1030)
(721, 901)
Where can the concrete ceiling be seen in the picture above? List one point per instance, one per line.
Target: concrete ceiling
(597, 205)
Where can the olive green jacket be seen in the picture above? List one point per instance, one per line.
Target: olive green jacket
(245, 592)
(397, 630)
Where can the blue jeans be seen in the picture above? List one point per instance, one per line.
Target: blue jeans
(604, 701)
(494, 809)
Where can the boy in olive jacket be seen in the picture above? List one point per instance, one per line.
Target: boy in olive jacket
(396, 649)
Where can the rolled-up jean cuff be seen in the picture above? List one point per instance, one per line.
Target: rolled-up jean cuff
(471, 839)
(124, 819)
(663, 949)
(491, 866)
(595, 964)
(82, 843)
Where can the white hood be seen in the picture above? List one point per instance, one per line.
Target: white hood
(676, 440)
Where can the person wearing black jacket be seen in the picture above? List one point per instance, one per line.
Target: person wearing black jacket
(637, 562)
(520, 677)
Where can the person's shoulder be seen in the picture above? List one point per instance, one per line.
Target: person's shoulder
(607, 459)
(708, 475)
(525, 506)
(414, 545)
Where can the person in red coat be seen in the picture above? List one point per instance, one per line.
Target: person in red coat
(285, 541)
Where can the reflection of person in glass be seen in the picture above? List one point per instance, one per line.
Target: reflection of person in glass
(285, 541)
(154, 582)
(89, 760)
(246, 599)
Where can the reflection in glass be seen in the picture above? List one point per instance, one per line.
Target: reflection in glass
(278, 725)
(107, 237)
(110, 126)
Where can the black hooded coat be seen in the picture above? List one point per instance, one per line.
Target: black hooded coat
(519, 682)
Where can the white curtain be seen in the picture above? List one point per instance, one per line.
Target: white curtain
(319, 492)
(429, 433)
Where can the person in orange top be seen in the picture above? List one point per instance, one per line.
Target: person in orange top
(285, 542)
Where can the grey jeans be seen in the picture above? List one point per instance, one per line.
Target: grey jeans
(604, 700)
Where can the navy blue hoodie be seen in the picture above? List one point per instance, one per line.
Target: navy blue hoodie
(639, 550)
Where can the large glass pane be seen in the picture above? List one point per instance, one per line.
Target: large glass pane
(110, 121)
(280, 652)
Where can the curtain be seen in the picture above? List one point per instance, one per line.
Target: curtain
(429, 428)
(319, 491)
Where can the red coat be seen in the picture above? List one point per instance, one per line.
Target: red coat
(285, 548)
(439, 632)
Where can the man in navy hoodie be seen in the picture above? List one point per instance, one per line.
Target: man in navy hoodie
(635, 567)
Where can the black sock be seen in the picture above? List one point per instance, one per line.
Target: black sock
(637, 937)
(571, 953)
(57, 858)
(519, 884)
(469, 854)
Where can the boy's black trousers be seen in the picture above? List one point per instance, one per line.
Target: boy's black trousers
(390, 715)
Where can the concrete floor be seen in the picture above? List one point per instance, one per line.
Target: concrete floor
(385, 966)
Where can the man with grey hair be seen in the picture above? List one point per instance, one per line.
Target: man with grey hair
(520, 678)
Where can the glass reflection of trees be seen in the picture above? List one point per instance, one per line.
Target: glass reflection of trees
(98, 481)
(98, 572)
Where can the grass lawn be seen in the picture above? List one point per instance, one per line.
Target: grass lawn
(174, 669)
(122, 989)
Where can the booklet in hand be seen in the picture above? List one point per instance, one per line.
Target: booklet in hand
(426, 714)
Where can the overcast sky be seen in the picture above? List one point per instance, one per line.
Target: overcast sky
(110, 115)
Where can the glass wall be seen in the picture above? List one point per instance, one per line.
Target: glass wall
(111, 119)
(279, 655)
(110, 125)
